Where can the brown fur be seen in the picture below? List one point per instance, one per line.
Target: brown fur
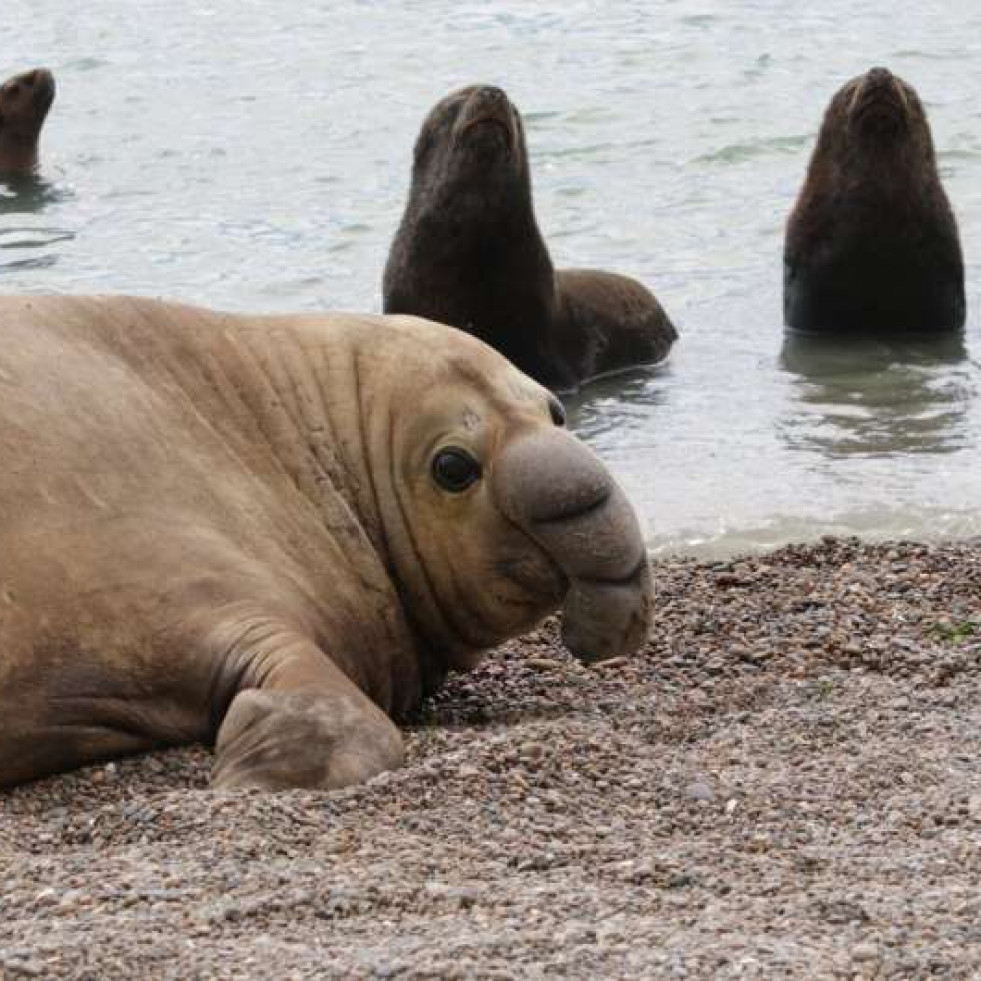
(468, 253)
(228, 528)
(872, 245)
(24, 103)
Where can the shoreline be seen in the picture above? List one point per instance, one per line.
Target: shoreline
(786, 782)
(949, 529)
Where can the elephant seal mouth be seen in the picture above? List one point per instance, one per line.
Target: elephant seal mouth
(609, 615)
(603, 614)
(544, 587)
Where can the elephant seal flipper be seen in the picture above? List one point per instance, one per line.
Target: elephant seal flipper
(24, 103)
(468, 252)
(307, 725)
(872, 245)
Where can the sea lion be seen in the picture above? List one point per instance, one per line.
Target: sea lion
(24, 103)
(277, 533)
(468, 253)
(872, 244)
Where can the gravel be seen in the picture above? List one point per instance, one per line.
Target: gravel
(785, 784)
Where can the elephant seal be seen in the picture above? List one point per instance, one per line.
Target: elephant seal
(872, 244)
(278, 533)
(24, 103)
(468, 253)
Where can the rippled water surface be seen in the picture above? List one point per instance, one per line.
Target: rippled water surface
(256, 156)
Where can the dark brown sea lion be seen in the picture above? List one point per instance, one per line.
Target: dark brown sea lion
(276, 532)
(24, 103)
(872, 244)
(468, 253)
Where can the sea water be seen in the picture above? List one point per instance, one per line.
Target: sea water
(256, 156)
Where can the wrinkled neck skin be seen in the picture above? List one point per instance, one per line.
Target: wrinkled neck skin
(451, 625)
(357, 452)
(301, 409)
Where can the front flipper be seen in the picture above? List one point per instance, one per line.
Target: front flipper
(305, 725)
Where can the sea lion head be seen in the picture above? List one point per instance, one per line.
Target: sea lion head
(24, 103)
(875, 116)
(473, 138)
(493, 514)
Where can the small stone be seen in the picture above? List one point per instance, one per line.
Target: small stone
(865, 952)
(699, 790)
(25, 969)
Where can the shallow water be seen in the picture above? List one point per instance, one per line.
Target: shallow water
(256, 156)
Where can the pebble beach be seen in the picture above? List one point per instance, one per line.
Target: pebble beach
(785, 783)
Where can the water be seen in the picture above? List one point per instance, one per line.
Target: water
(256, 156)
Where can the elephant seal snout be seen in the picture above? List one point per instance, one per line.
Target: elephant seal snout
(556, 489)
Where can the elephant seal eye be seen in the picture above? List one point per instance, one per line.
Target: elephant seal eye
(556, 411)
(455, 470)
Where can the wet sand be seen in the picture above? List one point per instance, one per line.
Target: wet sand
(786, 783)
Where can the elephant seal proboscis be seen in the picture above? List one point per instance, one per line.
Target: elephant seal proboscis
(278, 533)
(468, 252)
(871, 244)
(24, 103)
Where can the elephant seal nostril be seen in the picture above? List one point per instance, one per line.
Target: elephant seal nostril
(571, 510)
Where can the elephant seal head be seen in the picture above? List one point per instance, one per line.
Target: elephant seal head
(492, 513)
(24, 103)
